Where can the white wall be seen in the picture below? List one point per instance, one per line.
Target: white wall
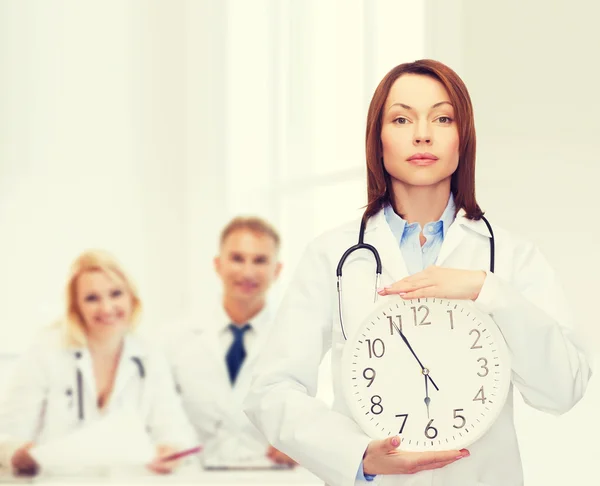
(532, 70)
(111, 138)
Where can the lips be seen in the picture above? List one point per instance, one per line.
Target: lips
(247, 286)
(109, 319)
(422, 159)
(423, 156)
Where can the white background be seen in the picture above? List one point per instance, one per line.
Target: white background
(142, 127)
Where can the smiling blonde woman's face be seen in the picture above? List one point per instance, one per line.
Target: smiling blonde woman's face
(105, 304)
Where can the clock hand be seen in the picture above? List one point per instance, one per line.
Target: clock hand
(417, 358)
(427, 399)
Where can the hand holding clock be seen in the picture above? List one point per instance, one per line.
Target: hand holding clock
(383, 457)
(440, 282)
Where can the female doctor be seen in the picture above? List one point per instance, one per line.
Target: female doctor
(89, 365)
(423, 218)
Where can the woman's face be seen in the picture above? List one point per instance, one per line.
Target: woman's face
(419, 134)
(105, 304)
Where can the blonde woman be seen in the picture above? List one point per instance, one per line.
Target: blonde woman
(89, 365)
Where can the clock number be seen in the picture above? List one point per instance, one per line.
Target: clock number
(451, 319)
(483, 367)
(372, 377)
(475, 345)
(428, 431)
(457, 416)
(480, 396)
(422, 323)
(393, 325)
(376, 404)
(405, 416)
(373, 349)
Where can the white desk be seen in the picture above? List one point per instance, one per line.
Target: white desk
(295, 477)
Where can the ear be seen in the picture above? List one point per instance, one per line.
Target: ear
(217, 264)
(278, 268)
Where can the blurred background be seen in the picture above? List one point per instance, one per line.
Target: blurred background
(142, 127)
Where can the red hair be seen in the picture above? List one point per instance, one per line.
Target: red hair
(379, 187)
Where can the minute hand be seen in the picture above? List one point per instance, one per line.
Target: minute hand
(416, 357)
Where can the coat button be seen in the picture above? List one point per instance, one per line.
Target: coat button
(78, 355)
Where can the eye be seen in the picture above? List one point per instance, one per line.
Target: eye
(116, 293)
(401, 120)
(445, 120)
(236, 257)
(91, 298)
(261, 260)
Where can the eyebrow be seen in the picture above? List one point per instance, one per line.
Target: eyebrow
(406, 107)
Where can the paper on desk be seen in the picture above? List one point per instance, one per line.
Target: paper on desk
(117, 439)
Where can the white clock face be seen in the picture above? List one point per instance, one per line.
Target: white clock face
(443, 396)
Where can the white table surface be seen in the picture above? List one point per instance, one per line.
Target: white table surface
(295, 477)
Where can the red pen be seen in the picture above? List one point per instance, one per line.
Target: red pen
(180, 454)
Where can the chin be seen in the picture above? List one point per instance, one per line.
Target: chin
(423, 178)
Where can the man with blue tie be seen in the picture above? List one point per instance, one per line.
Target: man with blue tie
(212, 361)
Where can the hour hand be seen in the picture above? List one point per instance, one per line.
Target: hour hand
(427, 399)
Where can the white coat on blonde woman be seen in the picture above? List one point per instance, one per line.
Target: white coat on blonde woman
(41, 403)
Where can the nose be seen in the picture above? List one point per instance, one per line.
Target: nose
(248, 270)
(106, 306)
(422, 134)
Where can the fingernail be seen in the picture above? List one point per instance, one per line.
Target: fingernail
(380, 290)
(463, 453)
(401, 294)
(395, 442)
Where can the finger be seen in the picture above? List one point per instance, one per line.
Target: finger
(163, 450)
(431, 291)
(157, 468)
(435, 465)
(402, 286)
(441, 463)
(429, 458)
(390, 444)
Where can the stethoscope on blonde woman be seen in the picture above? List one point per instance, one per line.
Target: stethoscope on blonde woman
(79, 380)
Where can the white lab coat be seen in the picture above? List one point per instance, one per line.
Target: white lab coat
(41, 403)
(215, 408)
(523, 296)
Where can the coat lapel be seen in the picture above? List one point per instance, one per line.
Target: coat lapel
(379, 234)
(457, 233)
(83, 365)
(128, 369)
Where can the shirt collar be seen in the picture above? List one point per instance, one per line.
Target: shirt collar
(399, 225)
(132, 348)
(257, 323)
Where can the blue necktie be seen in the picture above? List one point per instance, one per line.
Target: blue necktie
(236, 353)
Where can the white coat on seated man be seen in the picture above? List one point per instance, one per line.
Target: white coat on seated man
(212, 360)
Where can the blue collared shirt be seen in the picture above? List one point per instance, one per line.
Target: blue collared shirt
(417, 257)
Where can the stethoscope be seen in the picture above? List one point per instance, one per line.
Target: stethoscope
(79, 379)
(361, 245)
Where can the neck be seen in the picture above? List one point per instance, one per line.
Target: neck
(421, 204)
(106, 347)
(240, 312)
